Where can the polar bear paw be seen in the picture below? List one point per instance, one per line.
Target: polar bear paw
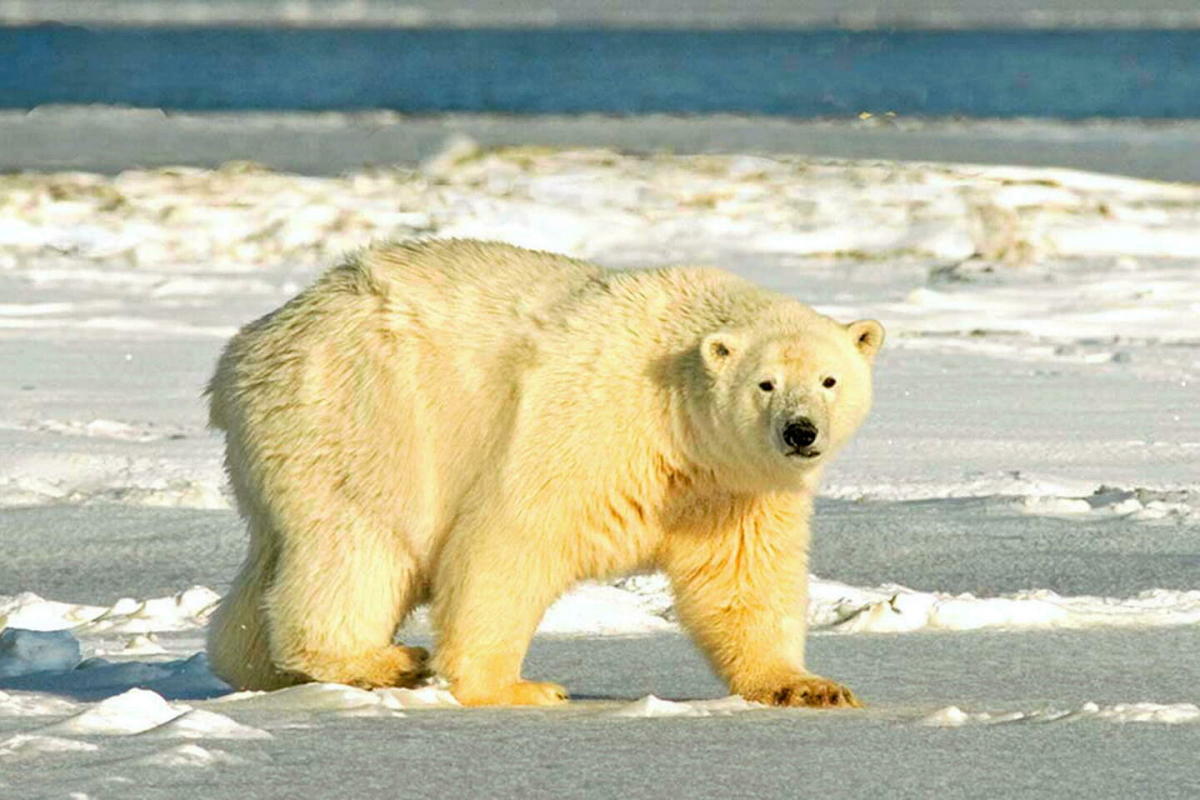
(395, 665)
(806, 690)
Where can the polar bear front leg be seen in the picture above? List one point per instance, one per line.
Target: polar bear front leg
(489, 596)
(743, 593)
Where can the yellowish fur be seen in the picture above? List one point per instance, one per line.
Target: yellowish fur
(482, 426)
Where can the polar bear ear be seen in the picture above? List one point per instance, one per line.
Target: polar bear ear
(867, 336)
(717, 348)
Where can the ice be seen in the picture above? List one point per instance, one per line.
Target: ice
(183, 679)
(25, 651)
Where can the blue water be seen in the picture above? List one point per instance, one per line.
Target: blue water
(1063, 74)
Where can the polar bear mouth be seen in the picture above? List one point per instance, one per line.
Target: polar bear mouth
(803, 452)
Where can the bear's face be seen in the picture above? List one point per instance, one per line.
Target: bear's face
(780, 405)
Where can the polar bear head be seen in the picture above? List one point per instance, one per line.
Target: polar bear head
(780, 400)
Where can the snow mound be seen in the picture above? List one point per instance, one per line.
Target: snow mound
(634, 605)
(651, 706)
(186, 610)
(25, 745)
(201, 724)
(135, 711)
(1172, 714)
(189, 755)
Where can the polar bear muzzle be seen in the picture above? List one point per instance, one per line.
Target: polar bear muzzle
(799, 435)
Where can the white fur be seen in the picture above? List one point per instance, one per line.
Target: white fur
(481, 426)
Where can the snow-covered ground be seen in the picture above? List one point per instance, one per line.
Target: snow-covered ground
(1007, 561)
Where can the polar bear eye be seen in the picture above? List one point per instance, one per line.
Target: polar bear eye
(829, 383)
(767, 386)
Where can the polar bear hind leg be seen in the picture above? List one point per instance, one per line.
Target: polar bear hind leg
(340, 591)
(238, 648)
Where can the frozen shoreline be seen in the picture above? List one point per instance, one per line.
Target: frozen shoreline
(108, 140)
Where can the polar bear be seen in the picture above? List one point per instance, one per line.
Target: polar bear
(480, 426)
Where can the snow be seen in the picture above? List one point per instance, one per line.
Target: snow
(1172, 714)
(201, 724)
(651, 706)
(1011, 539)
(134, 711)
(188, 755)
(187, 609)
(26, 746)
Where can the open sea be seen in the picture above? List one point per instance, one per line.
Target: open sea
(1061, 74)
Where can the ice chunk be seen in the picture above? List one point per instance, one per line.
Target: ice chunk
(23, 652)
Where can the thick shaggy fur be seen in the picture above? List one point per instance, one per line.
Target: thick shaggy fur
(480, 426)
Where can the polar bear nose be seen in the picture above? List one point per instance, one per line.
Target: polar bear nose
(799, 433)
